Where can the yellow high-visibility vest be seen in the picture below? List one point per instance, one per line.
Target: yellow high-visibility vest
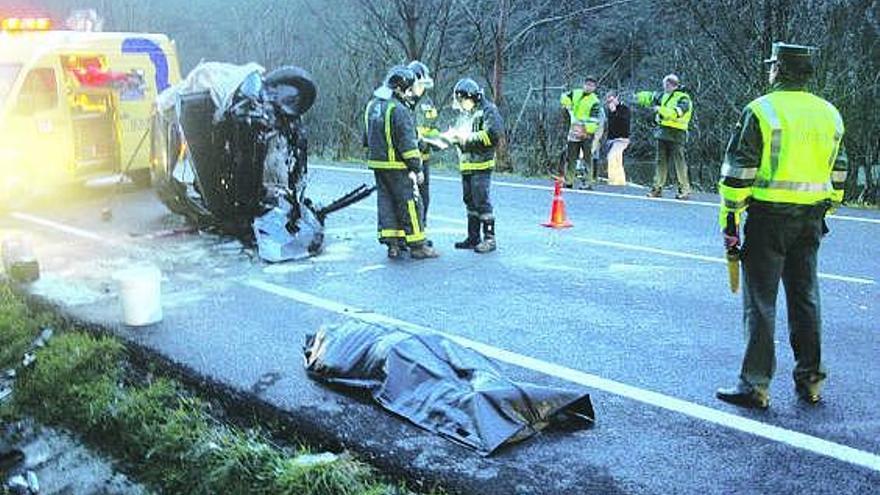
(802, 135)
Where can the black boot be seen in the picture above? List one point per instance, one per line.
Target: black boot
(488, 244)
(745, 396)
(473, 237)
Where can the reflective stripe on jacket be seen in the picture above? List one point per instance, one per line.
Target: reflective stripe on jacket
(486, 130)
(800, 160)
(391, 136)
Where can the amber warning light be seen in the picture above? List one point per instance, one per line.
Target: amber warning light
(25, 24)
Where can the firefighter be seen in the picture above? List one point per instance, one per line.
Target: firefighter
(785, 167)
(672, 108)
(393, 154)
(426, 126)
(584, 113)
(476, 135)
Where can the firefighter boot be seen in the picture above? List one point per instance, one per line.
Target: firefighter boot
(473, 237)
(488, 244)
(423, 251)
(394, 250)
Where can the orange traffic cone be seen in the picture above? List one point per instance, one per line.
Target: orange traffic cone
(557, 211)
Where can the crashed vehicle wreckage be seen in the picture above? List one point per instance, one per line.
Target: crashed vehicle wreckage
(230, 155)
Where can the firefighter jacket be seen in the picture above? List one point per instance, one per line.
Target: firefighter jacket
(426, 124)
(391, 136)
(486, 130)
(584, 109)
(673, 115)
(787, 151)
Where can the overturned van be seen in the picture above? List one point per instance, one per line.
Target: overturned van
(229, 151)
(77, 105)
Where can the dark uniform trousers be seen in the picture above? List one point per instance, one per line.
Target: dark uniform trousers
(573, 152)
(475, 187)
(782, 246)
(425, 190)
(400, 209)
(671, 153)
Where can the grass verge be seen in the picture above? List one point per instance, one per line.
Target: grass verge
(164, 437)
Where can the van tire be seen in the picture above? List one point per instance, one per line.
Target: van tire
(142, 178)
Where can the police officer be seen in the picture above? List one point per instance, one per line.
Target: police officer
(394, 156)
(584, 112)
(672, 108)
(785, 167)
(476, 135)
(426, 126)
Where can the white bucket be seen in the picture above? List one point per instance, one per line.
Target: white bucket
(140, 295)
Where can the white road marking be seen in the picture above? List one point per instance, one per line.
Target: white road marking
(710, 259)
(644, 249)
(438, 218)
(370, 268)
(792, 438)
(537, 187)
(62, 227)
(777, 434)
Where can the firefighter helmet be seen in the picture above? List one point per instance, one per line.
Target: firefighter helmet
(423, 75)
(400, 78)
(468, 88)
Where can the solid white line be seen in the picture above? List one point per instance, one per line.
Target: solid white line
(678, 254)
(793, 438)
(437, 218)
(369, 268)
(537, 187)
(644, 249)
(61, 227)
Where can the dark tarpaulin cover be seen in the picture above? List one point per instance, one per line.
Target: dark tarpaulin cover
(441, 386)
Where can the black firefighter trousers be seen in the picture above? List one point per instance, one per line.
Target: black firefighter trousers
(399, 208)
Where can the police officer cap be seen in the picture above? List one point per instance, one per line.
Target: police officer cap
(785, 52)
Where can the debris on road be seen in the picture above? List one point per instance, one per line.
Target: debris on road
(231, 154)
(441, 386)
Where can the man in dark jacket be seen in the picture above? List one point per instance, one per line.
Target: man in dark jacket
(393, 154)
(672, 108)
(476, 136)
(617, 128)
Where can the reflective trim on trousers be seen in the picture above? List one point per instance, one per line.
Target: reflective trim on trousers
(414, 221)
(391, 234)
(467, 166)
(380, 165)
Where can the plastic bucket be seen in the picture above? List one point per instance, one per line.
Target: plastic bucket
(140, 295)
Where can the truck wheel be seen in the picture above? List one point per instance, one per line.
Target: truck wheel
(142, 178)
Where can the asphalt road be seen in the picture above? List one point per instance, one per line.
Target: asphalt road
(631, 303)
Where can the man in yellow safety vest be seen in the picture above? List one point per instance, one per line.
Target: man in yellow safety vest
(673, 108)
(584, 112)
(785, 167)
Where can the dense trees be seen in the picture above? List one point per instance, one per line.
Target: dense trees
(526, 51)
